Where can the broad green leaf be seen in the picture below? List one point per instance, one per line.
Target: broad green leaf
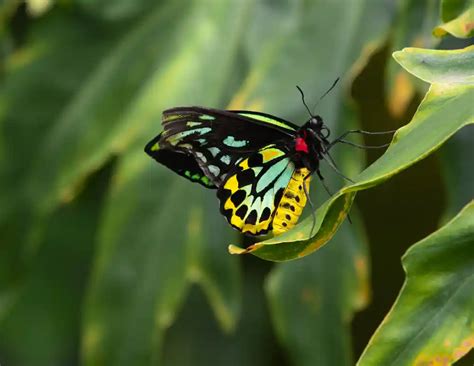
(140, 271)
(40, 78)
(446, 108)
(451, 68)
(42, 327)
(159, 229)
(462, 26)
(432, 319)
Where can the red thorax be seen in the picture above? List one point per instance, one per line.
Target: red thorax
(300, 144)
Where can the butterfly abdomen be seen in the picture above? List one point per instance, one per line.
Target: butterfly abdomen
(292, 202)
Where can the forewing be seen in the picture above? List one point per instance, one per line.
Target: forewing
(180, 161)
(251, 193)
(217, 139)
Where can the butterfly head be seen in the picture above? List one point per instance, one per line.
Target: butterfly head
(315, 123)
(313, 133)
(317, 128)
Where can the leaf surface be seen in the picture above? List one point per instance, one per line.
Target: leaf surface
(432, 320)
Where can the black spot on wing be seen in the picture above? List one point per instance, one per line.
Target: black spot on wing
(252, 218)
(255, 160)
(228, 214)
(242, 211)
(278, 196)
(238, 197)
(265, 214)
(245, 177)
(223, 194)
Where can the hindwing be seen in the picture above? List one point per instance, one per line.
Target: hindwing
(213, 140)
(261, 188)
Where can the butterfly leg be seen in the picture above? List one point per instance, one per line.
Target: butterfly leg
(333, 165)
(308, 198)
(362, 132)
(342, 141)
(321, 178)
(323, 182)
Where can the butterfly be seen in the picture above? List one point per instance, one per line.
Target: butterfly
(261, 165)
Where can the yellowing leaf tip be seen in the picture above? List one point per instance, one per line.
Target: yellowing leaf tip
(234, 249)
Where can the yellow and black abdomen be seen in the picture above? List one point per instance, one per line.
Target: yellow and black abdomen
(292, 202)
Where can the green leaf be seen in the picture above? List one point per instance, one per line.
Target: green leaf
(450, 9)
(432, 319)
(462, 26)
(40, 78)
(451, 68)
(140, 272)
(53, 288)
(446, 108)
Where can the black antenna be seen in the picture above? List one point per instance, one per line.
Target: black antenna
(302, 98)
(326, 93)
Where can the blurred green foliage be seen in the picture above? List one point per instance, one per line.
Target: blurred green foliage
(108, 259)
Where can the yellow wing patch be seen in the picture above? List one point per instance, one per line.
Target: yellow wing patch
(271, 154)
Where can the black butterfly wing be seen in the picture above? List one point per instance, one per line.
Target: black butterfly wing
(202, 142)
(179, 161)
